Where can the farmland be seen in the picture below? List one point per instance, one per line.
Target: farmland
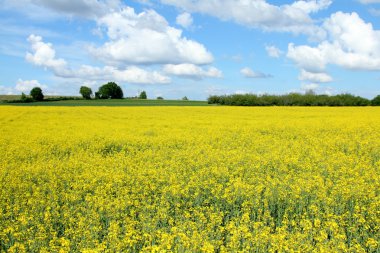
(76, 101)
(189, 179)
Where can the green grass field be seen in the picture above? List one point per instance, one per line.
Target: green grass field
(9, 97)
(108, 102)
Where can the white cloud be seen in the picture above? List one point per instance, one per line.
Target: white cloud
(273, 51)
(185, 20)
(352, 34)
(306, 57)
(133, 38)
(140, 76)
(146, 38)
(27, 85)
(351, 44)
(314, 77)
(192, 71)
(260, 14)
(130, 74)
(44, 55)
(249, 73)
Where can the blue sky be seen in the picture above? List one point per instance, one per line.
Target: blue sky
(193, 48)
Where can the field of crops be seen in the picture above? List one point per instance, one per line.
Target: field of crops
(189, 179)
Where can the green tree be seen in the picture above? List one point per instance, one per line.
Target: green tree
(376, 101)
(37, 94)
(86, 92)
(160, 98)
(185, 98)
(23, 96)
(109, 90)
(143, 95)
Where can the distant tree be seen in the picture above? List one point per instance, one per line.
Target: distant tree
(160, 98)
(376, 101)
(109, 90)
(291, 99)
(214, 99)
(143, 95)
(25, 99)
(185, 98)
(37, 94)
(86, 92)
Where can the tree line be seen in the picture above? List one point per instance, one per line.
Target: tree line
(292, 99)
(109, 90)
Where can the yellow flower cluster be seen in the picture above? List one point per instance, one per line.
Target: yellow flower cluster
(189, 179)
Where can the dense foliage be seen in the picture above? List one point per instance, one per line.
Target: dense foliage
(25, 99)
(143, 95)
(36, 94)
(109, 90)
(376, 101)
(86, 92)
(292, 99)
(180, 179)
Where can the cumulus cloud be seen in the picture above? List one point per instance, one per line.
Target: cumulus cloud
(306, 57)
(44, 55)
(140, 76)
(260, 14)
(130, 74)
(273, 51)
(351, 44)
(133, 38)
(27, 85)
(314, 77)
(146, 38)
(249, 73)
(185, 20)
(192, 71)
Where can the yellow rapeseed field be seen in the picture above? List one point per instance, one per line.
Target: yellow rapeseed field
(189, 179)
